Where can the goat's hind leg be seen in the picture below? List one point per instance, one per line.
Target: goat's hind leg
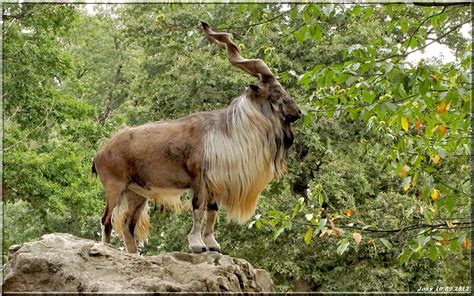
(113, 190)
(131, 218)
(106, 225)
(208, 235)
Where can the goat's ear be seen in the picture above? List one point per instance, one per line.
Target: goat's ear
(255, 88)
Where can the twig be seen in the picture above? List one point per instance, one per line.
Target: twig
(260, 23)
(460, 225)
(424, 46)
(297, 28)
(454, 189)
(419, 26)
(18, 108)
(445, 4)
(456, 225)
(32, 130)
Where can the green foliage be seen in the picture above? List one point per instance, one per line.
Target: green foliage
(376, 193)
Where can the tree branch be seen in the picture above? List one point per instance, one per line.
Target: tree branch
(454, 189)
(25, 138)
(424, 46)
(260, 23)
(445, 4)
(419, 26)
(459, 225)
(23, 14)
(445, 225)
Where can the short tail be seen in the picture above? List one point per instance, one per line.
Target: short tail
(94, 171)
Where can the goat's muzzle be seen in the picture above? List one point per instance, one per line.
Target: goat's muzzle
(292, 117)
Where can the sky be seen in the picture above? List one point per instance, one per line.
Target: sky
(439, 50)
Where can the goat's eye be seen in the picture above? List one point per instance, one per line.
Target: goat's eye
(276, 96)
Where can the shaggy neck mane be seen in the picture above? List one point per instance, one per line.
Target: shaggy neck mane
(243, 154)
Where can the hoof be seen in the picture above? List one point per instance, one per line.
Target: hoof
(197, 249)
(212, 249)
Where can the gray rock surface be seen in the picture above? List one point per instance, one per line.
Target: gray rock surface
(64, 263)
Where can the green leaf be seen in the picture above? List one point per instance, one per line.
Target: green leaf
(413, 43)
(428, 215)
(274, 213)
(340, 19)
(386, 243)
(342, 247)
(300, 34)
(356, 10)
(322, 223)
(296, 210)
(424, 86)
(307, 119)
(369, 11)
(422, 240)
(342, 78)
(366, 66)
(278, 232)
(328, 77)
(404, 26)
(434, 21)
(368, 96)
(273, 222)
(453, 245)
(433, 253)
(304, 80)
(391, 106)
(316, 69)
(405, 255)
(460, 240)
(450, 203)
(316, 32)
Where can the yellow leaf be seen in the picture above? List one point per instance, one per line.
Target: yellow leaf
(442, 130)
(357, 237)
(406, 186)
(349, 212)
(466, 244)
(403, 171)
(418, 123)
(404, 121)
(308, 235)
(445, 240)
(436, 159)
(441, 107)
(434, 194)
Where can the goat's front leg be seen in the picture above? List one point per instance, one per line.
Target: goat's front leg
(196, 245)
(208, 236)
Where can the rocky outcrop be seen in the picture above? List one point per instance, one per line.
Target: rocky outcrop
(65, 263)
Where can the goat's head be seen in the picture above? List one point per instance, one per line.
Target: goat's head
(268, 90)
